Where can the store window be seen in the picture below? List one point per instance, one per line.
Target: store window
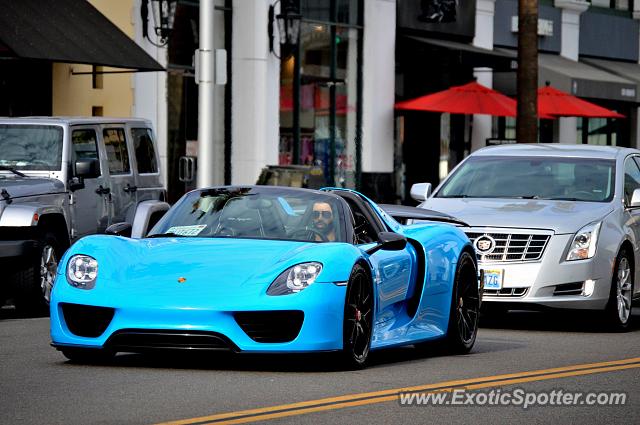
(319, 91)
(613, 4)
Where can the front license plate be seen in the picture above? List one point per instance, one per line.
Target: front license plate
(493, 279)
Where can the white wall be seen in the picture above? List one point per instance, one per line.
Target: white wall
(569, 45)
(150, 89)
(255, 93)
(378, 95)
(482, 128)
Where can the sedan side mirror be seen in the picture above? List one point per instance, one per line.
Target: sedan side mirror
(119, 229)
(421, 191)
(87, 168)
(635, 199)
(389, 241)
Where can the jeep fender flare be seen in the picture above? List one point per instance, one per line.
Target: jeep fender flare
(28, 214)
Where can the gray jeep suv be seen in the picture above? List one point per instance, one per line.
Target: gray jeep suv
(63, 178)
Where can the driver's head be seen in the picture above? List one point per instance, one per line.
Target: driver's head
(322, 217)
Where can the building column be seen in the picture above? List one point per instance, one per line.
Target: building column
(150, 92)
(255, 93)
(378, 93)
(569, 48)
(482, 124)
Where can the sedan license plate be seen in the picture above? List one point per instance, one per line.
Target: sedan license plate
(493, 279)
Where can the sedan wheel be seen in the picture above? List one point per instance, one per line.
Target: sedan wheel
(618, 310)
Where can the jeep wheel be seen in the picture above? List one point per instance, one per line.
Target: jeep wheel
(34, 282)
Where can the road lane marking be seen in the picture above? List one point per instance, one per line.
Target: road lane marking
(361, 399)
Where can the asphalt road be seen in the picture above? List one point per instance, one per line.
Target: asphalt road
(38, 386)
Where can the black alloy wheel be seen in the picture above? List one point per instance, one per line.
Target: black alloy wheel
(465, 307)
(358, 319)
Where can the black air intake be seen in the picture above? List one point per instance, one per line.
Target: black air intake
(270, 326)
(85, 320)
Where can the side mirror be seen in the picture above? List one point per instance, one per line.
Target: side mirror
(87, 168)
(421, 191)
(119, 229)
(635, 199)
(389, 241)
(147, 215)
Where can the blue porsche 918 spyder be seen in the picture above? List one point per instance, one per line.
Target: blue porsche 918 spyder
(268, 269)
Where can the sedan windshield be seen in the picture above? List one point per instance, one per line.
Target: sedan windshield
(31, 147)
(254, 212)
(574, 179)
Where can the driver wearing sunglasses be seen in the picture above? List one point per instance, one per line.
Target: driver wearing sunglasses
(322, 216)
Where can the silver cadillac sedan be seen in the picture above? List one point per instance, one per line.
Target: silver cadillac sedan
(553, 225)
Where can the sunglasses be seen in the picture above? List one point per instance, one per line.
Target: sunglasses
(324, 214)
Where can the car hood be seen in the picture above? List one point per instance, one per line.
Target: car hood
(223, 269)
(18, 187)
(559, 216)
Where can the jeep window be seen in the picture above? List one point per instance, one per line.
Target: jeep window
(31, 147)
(145, 153)
(84, 144)
(116, 147)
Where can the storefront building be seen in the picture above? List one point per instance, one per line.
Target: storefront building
(588, 49)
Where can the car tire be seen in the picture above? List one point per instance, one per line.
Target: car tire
(34, 281)
(618, 309)
(465, 307)
(358, 319)
(88, 355)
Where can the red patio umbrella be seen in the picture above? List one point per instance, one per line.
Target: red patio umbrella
(552, 101)
(471, 98)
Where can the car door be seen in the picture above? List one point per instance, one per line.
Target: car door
(89, 206)
(121, 182)
(632, 215)
(145, 163)
(395, 269)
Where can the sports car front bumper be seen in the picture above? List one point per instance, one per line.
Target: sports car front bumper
(235, 321)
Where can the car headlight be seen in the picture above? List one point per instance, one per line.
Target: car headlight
(295, 279)
(82, 271)
(584, 242)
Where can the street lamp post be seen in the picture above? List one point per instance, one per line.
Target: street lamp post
(163, 13)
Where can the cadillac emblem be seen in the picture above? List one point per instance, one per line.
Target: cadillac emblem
(485, 245)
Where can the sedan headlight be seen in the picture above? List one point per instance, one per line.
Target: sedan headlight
(82, 271)
(295, 279)
(584, 242)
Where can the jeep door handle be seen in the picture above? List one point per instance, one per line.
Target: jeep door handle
(130, 189)
(103, 190)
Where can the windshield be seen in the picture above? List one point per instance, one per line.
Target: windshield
(31, 147)
(575, 179)
(254, 212)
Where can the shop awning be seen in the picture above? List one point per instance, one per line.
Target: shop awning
(472, 55)
(70, 31)
(583, 80)
(627, 70)
(577, 78)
